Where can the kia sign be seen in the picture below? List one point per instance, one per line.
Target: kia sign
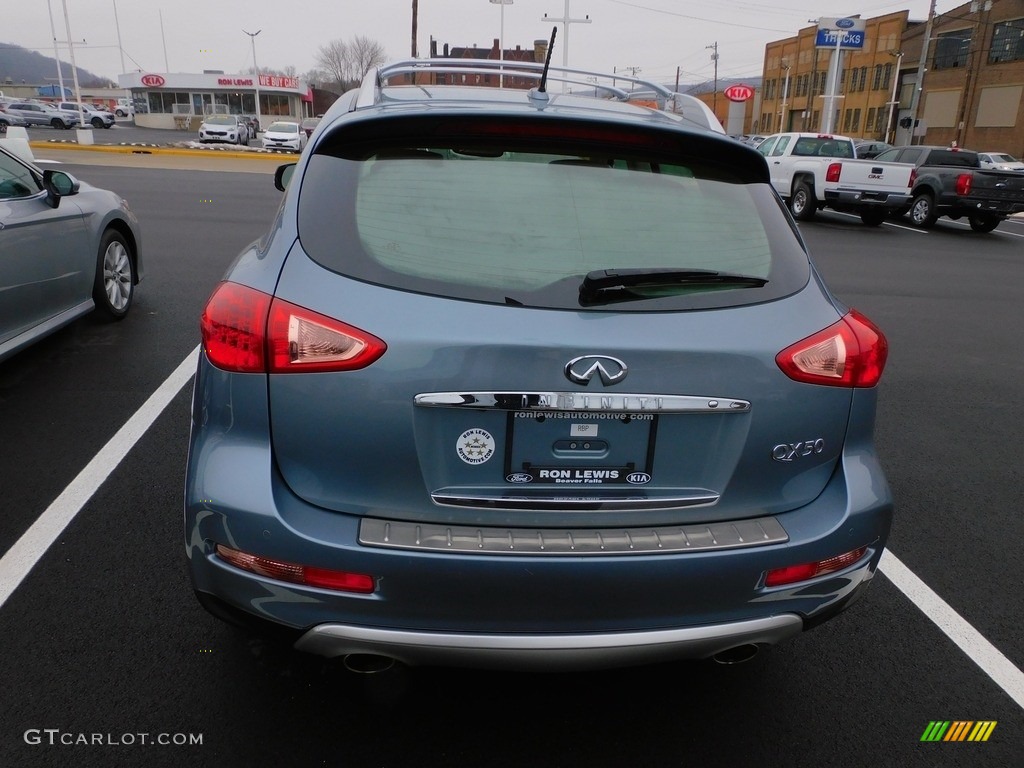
(153, 81)
(739, 92)
(850, 30)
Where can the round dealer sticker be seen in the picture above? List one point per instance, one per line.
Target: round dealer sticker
(475, 446)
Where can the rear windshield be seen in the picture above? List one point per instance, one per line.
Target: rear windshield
(822, 146)
(508, 216)
(956, 159)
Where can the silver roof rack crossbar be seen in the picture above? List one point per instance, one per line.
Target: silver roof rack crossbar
(687, 107)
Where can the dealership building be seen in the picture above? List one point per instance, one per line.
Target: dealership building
(176, 100)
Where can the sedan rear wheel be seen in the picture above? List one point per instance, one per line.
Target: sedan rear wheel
(115, 276)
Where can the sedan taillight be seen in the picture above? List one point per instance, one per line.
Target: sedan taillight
(248, 331)
(849, 353)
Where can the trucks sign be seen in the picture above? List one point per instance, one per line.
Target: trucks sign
(849, 30)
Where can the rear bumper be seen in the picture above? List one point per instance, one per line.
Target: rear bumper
(524, 651)
(861, 199)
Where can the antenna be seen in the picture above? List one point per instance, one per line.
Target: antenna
(547, 62)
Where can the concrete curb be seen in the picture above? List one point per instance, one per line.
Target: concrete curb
(154, 149)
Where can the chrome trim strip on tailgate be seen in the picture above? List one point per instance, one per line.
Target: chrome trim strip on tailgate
(535, 503)
(467, 539)
(578, 401)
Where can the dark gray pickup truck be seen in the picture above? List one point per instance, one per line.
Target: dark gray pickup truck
(951, 182)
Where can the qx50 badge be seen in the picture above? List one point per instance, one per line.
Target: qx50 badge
(580, 370)
(790, 451)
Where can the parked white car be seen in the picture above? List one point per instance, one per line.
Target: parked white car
(1000, 161)
(284, 134)
(226, 128)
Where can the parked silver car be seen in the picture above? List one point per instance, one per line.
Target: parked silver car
(9, 120)
(97, 118)
(38, 113)
(1000, 161)
(66, 248)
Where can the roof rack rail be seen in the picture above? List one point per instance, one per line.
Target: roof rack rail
(687, 108)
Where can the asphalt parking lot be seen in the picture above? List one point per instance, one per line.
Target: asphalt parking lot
(103, 636)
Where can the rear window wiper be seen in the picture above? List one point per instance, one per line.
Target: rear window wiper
(604, 286)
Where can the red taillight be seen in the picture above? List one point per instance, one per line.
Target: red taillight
(248, 331)
(963, 183)
(913, 178)
(835, 170)
(342, 581)
(234, 326)
(794, 573)
(850, 353)
(300, 340)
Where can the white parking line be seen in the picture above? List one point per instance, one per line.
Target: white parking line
(21, 558)
(979, 650)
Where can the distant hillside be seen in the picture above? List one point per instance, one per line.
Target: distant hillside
(20, 66)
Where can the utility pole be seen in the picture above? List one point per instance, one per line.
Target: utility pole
(714, 58)
(915, 99)
(976, 44)
(415, 23)
(565, 21)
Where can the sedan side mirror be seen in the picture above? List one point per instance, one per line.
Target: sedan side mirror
(58, 184)
(283, 175)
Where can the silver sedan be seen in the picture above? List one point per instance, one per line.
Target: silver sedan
(66, 248)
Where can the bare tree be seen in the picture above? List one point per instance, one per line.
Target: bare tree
(345, 62)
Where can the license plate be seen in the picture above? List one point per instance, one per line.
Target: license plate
(580, 449)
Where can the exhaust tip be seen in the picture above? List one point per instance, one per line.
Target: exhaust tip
(368, 663)
(737, 655)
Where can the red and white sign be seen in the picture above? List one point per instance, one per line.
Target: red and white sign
(153, 81)
(738, 92)
(278, 81)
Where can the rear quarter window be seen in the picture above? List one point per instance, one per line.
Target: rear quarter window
(495, 214)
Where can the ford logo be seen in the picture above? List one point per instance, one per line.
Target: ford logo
(519, 477)
(845, 23)
(638, 478)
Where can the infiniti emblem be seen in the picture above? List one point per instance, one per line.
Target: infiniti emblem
(581, 370)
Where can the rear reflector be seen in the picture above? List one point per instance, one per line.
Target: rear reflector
(791, 574)
(341, 581)
(850, 353)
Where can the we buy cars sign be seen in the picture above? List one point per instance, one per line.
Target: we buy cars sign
(739, 92)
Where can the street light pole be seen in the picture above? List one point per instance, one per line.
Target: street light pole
(785, 94)
(255, 66)
(56, 55)
(501, 39)
(895, 82)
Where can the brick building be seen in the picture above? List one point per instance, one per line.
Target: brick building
(972, 89)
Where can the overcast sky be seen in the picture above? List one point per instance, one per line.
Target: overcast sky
(657, 36)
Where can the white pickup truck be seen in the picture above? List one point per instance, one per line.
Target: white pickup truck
(813, 170)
